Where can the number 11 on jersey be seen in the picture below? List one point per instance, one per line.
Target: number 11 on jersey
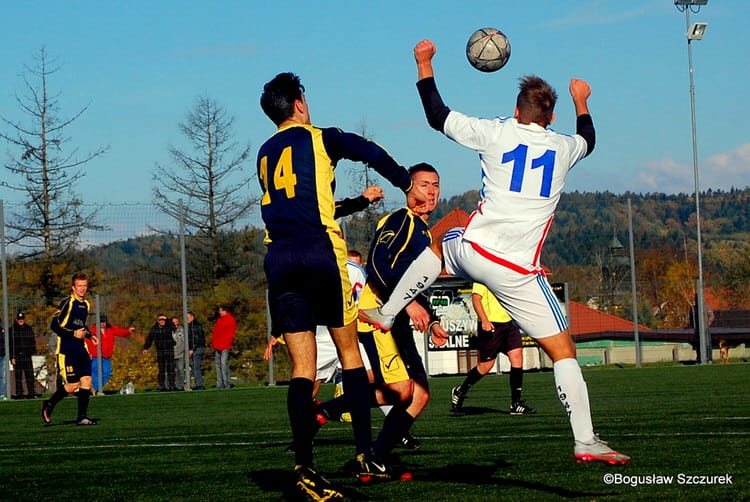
(518, 156)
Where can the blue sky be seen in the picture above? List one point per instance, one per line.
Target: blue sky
(140, 65)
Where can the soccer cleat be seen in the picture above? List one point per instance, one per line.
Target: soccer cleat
(86, 421)
(46, 412)
(598, 450)
(314, 486)
(410, 442)
(370, 468)
(521, 408)
(376, 318)
(457, 399)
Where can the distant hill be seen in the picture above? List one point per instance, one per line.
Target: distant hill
(584, 225)
(586, 221)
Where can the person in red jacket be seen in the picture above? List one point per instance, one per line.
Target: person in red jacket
(106, 334)
(222, 339)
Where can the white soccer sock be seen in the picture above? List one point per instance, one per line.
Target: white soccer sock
(574, 396)
(386, 408)
(419, 276)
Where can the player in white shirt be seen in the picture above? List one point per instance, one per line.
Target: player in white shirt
(524, 166)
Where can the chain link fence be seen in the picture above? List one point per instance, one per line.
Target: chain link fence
(143, 263)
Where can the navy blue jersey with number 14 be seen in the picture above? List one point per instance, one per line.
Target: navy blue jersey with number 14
(296, 172)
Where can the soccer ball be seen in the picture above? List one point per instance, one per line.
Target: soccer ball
(488, 49)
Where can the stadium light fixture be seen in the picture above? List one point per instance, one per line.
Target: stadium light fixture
(696, 32)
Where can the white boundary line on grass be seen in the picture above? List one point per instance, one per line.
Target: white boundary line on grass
(118, 443)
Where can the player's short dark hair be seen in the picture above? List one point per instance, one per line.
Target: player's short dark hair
(422, 167)
(536, 100)
(279, 96)
(79, 276)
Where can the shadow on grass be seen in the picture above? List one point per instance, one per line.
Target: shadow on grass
(474, 474)
(69, 422)
(475, 410)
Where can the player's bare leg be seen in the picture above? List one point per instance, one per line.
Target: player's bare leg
(302, 353)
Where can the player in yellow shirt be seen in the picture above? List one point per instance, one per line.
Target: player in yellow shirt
(496, 333)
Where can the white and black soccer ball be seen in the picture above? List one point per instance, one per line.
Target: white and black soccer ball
(488, 49)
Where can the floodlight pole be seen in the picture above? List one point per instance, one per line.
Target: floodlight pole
(636, 334)
(700, 314)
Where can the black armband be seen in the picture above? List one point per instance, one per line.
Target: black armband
(434, 108)
(585, 128)
(345, 207)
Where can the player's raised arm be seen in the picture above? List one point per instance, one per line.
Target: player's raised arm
(580, 91)
(347, 145)
(345, 207)
(434, 108)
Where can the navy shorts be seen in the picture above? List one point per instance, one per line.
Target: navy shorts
(505, 337)
(308, 285)
(73, 365)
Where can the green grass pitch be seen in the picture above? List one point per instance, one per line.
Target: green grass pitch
(687, 429)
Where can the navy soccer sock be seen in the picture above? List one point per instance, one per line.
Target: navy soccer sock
(357, 393)
(299, 406)
(83, 403)
(473, 377)
(58, 396)
(516, 384)
(396, 424)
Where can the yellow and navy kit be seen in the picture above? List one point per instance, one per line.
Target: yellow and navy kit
(73, 357)
(400, 237)
(308, 283)
(296, 173)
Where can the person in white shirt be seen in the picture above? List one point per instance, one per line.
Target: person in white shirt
(524, 166)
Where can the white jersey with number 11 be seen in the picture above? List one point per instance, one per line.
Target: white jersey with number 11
(523, 172)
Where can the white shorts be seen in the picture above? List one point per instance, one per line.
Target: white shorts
(327, 361)
(527, 296)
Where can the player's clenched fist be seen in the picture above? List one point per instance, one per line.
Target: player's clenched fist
(579, 89)
(424, 51)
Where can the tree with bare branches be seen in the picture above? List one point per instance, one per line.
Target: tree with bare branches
(206, 181)
(47, 173)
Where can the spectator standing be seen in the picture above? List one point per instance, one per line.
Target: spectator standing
(222, 339)
(106, 334)
(22, 347)
(178, 334)
(161, 337)
(196, 346)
